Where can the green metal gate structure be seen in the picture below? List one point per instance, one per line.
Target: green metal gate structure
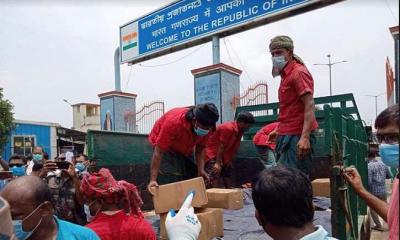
(341, 141)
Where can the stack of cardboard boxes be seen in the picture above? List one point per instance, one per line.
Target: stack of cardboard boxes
(208, 205)
(321, 187)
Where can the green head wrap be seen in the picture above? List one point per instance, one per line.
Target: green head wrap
(286, 43)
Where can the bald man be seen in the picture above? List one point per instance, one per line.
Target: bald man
(32, 213)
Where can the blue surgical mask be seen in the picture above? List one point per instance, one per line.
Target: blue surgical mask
(18, 171)
(80, 166)
(389, 154)
(201, 132)
(37, 157)
(19, 232)
(278, 63)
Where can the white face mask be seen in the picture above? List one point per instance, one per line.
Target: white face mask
(89, 217)
(86, 209)
(278, 62)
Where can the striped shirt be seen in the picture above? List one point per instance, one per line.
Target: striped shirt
(378, 172)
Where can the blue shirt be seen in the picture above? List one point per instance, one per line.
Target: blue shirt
(70, 231)
(378, 172)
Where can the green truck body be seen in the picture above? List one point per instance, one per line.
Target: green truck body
(341, 141)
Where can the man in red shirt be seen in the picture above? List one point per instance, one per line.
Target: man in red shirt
(222, 147)
(175, 136)
(296, 106)
(113, 208)
(266, 145)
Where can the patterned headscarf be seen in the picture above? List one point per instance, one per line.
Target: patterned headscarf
(286, 43)
(102, 185)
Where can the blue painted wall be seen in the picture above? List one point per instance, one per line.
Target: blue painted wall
(41, 133)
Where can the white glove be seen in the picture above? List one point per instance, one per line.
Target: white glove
(184, 225)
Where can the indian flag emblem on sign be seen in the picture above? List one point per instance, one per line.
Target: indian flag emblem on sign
(129, 41)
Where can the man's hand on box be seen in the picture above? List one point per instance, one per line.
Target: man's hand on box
(183, 225)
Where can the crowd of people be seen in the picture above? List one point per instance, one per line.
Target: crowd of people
(70, 198)
(65, 198)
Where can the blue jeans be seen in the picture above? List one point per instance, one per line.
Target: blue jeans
(268, 156)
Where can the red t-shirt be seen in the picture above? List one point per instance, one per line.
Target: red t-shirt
(121, 226)
(172, 132)
(261, 137)
(229, 136)
(296, 81)
(393, 213)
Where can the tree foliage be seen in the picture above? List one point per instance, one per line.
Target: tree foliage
(6, 120)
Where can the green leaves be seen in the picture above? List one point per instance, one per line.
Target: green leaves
(6, 120)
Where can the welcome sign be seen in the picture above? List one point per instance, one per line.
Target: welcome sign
(187, 23)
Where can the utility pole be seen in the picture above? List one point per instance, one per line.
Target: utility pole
(330, 64)
(376, 102)
(215, 50)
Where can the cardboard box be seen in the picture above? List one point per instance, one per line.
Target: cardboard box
(224, 198)
(321, 187)
(211, 219)
(172, 195)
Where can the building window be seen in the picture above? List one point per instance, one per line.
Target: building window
(23, 145)
(90, 111)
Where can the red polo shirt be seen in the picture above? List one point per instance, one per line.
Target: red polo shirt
(261, 137)
(172, 132)
(296, 81)
(121, 226)
(227, 134)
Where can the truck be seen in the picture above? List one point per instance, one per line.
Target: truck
(341, 141)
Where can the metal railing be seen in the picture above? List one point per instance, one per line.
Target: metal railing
(148, 115)
(256, 94)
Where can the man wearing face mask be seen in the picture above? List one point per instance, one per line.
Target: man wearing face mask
(17, 165)
(81, 164)
(174, 137)
(32, 213)
(378, 172)
(37, 158)
(113, 208)
(388, 134)
(38, 166)
(222, 147)
(296, 106)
